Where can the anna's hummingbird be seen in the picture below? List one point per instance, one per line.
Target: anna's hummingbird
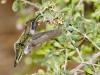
(28, 39)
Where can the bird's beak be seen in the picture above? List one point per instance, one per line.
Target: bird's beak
(15, 63)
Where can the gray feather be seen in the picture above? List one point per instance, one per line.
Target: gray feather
(43, 36)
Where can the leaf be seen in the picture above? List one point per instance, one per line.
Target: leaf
(98, 44)
(76, 44)
(44, 1)
(74, 1)
(69, 28)
(80, 26)
(48, 15)
(88, 70)
(15, 6)
(89, 29)
(50, 65)
(40, 52)
(38, 59)
(77, 16)
(66, 72)
(76, 59)
(70, 54)
(76, 37)
(85, 49)
(41, 72)
(70, 46)
(49, 26)
(38, 5)
(57, 44)
(65, 9)
(95, 30)
(79, 22)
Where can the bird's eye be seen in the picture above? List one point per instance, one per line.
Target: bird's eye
(19, 45)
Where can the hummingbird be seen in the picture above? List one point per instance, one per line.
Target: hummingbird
(20, 44)
(29, 39)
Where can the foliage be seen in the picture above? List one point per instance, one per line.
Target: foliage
(79, 41)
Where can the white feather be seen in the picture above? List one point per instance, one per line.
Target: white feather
(26, 50)
(32, 31)
(20, 57)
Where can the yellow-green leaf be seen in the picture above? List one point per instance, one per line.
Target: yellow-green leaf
(76, 59)
(15, 6)
(41, 72)
(88, 70)
(71, 53)
(57, 44)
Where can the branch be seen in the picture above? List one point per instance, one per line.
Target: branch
(79, 3)
(75, 47)
(25, 1)
(82, 64)
(91, 59)
(87, 38)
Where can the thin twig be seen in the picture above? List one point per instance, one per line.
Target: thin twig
(91, 64)
(65, 63)
(75, 47)
(25, 1)
(79, 3)
(33, 4)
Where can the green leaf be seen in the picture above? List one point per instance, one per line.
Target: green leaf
(76, 37)
(74, 1)
(77, 16)
(48, 15)
(88, 70)
(41, 72)
(65, 9)
(44, 1)
(80, 26)
(40, 52)
(85, 49)
(38, 5)
(49, 26)
(57, 44)
(70, 46)
(50, 65)
(89, 29)
(70, 54)
(62, 39)
(95, 30)
(38, 59)
(15, 6)
(98, 44)
(76, 59)
(43, 51)
(76, 44)
(66, 72)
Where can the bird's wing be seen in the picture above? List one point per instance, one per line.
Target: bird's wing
(43, 36)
